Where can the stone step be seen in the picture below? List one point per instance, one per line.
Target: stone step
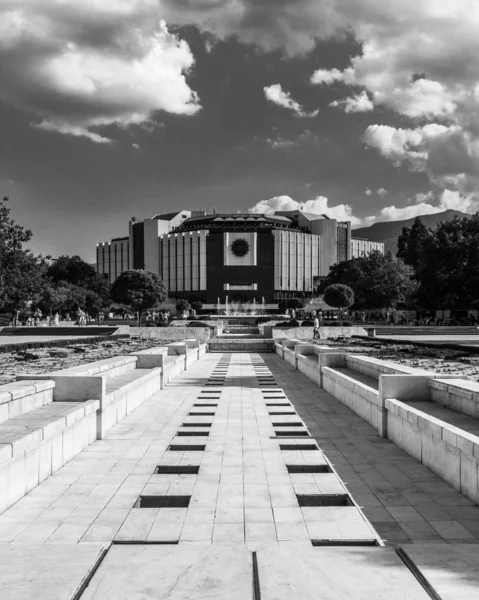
(57, 331)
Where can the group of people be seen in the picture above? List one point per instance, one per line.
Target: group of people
(162, 316)
(36, 318)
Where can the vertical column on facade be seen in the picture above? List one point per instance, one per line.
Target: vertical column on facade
(300, 249)
(187, 262)
(284, 259)
(172, 261)
(202, 259)
(293, 260)
(308, 274)
(180, 265)
(195, 255)
(165, 260)
(277, 260)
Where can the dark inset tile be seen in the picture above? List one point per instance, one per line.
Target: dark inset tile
(186, 447)
(292, 434)
(162, 502)
(181, 433)
(302, 447)
(324, 500)
(309, 469)
(200, 414)
(292, 424)
(177, 470)
(204, 405)
(345, 542)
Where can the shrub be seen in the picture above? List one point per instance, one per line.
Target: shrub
(293, 323)
(182, 305)
(262, 320)
(296, 303)
(199, 324)
(347, 324)
(162, 324)
(196, 305)
(307, 323)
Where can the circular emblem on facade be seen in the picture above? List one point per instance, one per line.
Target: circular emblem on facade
(240, 247)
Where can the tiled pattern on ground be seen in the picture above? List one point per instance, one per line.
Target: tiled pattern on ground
(227, 417)
(243, 490)
(404, 500)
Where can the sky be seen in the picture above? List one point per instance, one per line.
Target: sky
(363, 110)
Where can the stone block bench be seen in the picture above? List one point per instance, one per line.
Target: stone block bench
(444, 440)
(117, 383)
(38, 436)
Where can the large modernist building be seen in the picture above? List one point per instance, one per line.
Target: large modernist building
(239, 256)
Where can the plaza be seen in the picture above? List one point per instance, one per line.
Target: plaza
(234, 476)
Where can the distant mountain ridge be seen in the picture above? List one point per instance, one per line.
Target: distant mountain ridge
(388, 231)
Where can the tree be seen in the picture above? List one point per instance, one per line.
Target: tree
(196, 305)
(139, 289)
(377, 280)
(74, 271)
(339, 296)
(296, 303)
(448, 267)
(411, 243)
(21, 272)
(182, 305)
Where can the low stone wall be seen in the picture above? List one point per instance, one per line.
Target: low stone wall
(406, 405)
(202, 334)
(306, 333)
(448, 451)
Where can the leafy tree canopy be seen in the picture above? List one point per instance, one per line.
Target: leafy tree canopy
(182, 305)
(296, 303)
(377, 280)
(21, 272)
(139, 289)
(339, 296)
(411, 243)
(447, 269)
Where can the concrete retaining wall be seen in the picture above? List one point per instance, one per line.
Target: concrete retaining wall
(306, 333)
(202, 334)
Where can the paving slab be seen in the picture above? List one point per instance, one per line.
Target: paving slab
(187, 572)
(452, 570)
(46, 572)
(335, 574)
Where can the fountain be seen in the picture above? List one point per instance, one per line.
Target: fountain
(253, 310)
(218, 307)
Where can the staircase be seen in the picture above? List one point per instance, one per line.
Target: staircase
(241, 339)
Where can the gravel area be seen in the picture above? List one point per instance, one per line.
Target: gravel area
(433, 358)
(45, 360)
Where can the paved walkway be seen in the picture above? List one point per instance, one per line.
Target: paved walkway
(256, 483)
(403, 499)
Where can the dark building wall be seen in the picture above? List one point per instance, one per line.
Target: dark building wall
(262, 274)
(138, 246)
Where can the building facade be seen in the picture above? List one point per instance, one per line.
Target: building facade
(242, 257)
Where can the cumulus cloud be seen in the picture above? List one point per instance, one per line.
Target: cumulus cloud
(382, 192)
(355, 104)
(80, 65)
(368, 192)
(320, 206)
(276, 94)
(270, 25)
(448, 154)
(421, 204)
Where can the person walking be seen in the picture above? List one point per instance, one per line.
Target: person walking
(316, 334)
(37, 315)
(15, 318)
